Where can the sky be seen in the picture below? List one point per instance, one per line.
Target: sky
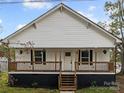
(15, 16)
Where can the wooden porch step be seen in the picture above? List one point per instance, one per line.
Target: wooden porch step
(68, 75)
(73, 88)
(67, 82)
(67, 79)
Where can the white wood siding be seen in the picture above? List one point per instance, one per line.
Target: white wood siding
(101, 56)
(25, 56)
(50, 56)
(63, 29)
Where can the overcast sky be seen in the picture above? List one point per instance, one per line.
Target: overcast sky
(15, 16)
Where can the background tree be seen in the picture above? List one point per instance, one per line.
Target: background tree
(115, 11)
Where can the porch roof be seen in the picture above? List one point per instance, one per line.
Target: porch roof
(63, 47)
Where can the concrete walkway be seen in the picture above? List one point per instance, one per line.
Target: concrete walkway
(67, 91)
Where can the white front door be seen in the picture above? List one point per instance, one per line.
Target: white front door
(67, 61)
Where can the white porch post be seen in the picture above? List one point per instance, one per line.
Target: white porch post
(33, 58)
(75, 64)
(95, 58)
(55, 58)
(60, 60)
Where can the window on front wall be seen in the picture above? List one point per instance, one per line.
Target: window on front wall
(86, 55)
(38, 54)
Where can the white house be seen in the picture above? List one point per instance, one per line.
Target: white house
(62, 48)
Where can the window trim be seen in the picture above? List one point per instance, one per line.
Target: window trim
(89, 56)
(39, 56)
(84, 57)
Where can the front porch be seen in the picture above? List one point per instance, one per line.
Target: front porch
(69, 68)
(64, 60)
(56, 67)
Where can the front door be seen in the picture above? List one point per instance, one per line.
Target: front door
(67, 61)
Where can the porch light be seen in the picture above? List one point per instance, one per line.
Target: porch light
(21, 51)
(104, 51)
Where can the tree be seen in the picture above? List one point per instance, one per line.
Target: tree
(121, 20)
(115, 11)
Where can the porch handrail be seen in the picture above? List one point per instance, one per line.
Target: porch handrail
(110, 66)
(35, 62)
(12, 66)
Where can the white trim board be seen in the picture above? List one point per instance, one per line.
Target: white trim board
(99, 73)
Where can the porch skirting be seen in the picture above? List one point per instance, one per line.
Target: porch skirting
(34, 80)
(51, 80)
(96, 80)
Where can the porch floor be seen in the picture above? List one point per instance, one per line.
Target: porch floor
(59, 72)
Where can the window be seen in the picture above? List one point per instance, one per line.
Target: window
(86, 55)
(67, 54)
(38, 55)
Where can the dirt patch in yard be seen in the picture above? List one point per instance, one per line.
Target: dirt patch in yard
(120, 81)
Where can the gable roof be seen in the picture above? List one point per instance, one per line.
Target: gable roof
(61, 5)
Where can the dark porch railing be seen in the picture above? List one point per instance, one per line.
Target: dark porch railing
(34, 66)
(52, 66)
(94, 66)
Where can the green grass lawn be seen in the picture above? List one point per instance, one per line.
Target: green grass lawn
(96, 90)
(4, 88)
